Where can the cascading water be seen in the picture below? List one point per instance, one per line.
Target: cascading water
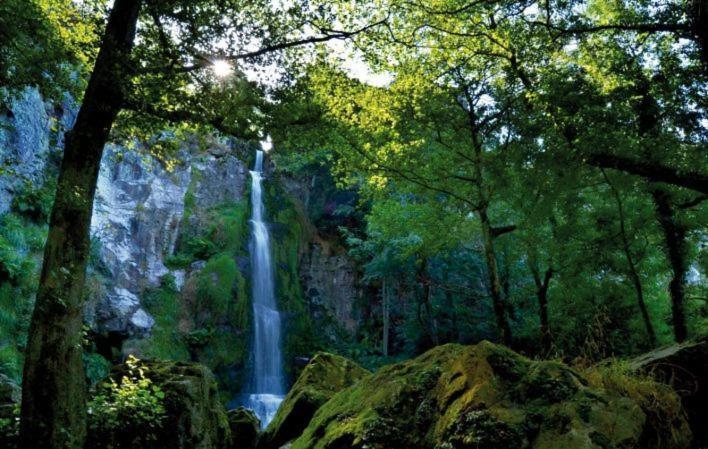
(266, 385)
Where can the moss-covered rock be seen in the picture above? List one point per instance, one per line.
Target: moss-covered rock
(477, 397)
(193, 417)
(244, 428)
(322, 378)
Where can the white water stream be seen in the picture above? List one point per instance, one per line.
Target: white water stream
(266, 385)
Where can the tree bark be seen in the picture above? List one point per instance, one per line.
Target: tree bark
(385, 305)
(495, 285)
(542, 286)
(699, 19)
(653, 171)
(631, 266)
(675, 243)
(53, 412)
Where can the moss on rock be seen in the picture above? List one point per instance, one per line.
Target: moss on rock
(244, 428)
(322, 378)
(194, 415)
(477, 397)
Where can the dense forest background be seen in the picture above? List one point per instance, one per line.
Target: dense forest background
(534, 173)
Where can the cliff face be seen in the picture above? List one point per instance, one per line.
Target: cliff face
(31, 137)
(137, 221)
(169, 274)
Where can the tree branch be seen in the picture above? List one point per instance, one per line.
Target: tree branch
(652, 171)
(501, 230)
(180, 116)
(205, 61)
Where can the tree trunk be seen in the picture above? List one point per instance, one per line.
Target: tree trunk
(542, 296)
(699, 18)
(494, 279)
(675, 241)
(631, 266)
(53, 391)
(385, 305)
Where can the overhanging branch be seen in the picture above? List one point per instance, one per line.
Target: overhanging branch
(652, 171)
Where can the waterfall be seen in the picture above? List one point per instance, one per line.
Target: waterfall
(266, 385)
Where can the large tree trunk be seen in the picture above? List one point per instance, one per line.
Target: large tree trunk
(495, 285)
(675, 242)
(53, 389)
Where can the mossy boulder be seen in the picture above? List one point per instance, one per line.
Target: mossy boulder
(475, 397)
(244, 428)
(193, 415)
(324, 376)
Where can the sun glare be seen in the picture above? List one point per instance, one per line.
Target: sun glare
(222, 68)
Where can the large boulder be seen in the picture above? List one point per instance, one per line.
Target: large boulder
(186, 394)
(684, 367)
(479, 397)
(322, 378)
(244, 428)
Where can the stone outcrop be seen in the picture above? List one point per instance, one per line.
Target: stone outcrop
(330, 283)
(31, 138)
(322, 378)
(194, 415)
(329, 277)
(138, 212)
(684, 367)
(480, 397)
(244, 428)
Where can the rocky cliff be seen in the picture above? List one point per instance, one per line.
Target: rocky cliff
(137, 222)
(169, 275)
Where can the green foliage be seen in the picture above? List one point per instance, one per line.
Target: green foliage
(21, 242)
(165, 305)
(127, 412)
(35, 203)
(488, 113)
(96, 367)
(48, 43)
(215, 285)
(10, 424)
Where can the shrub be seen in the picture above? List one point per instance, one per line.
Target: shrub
(35, 203)
(127, 413)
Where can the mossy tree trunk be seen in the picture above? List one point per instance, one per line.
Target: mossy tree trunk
(675, 245)
(53, 412)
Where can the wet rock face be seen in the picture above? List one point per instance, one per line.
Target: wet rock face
(30, 132)
(480, 397)
(138, 212)
(329, 278)
(136, 218)
(330, 283)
